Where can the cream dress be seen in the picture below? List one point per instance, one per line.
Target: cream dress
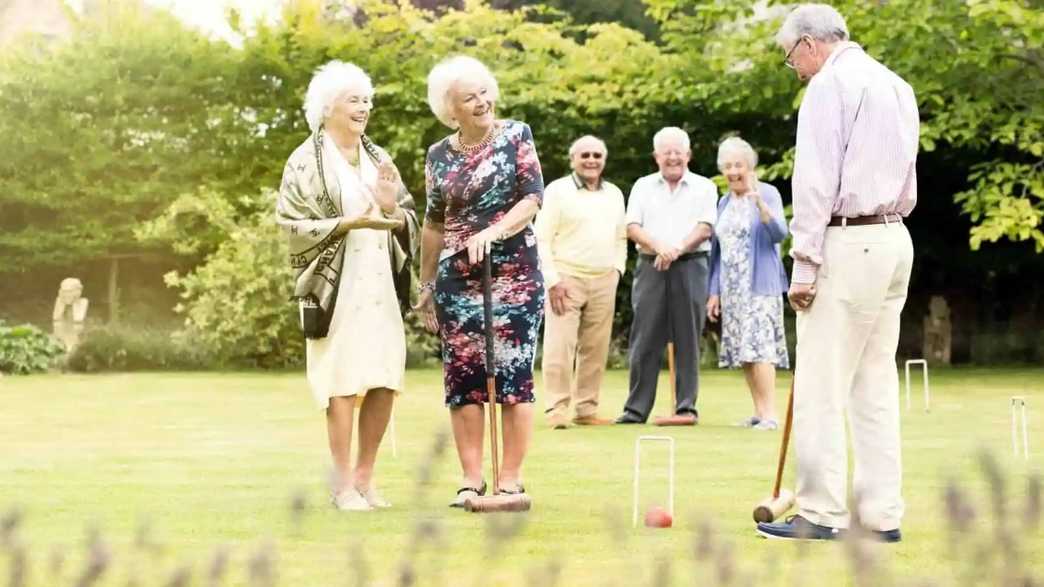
(366, 345)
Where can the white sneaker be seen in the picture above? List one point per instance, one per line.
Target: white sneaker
(373, 498)
(350, 500)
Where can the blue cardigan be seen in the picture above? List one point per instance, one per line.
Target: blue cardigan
(768, 278)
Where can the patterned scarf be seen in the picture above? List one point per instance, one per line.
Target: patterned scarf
(309, 209)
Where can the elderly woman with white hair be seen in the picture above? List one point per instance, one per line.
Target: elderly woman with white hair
(747, 279)
(484, 187)
(352, 230)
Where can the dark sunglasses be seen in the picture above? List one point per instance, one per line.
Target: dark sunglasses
(591, 155)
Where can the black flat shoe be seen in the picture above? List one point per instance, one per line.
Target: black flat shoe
(466, 493)
(625, 419)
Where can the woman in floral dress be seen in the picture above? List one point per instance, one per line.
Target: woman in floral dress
(747, 279)
(484, 187)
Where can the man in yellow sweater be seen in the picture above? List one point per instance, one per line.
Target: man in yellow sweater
(582, 239)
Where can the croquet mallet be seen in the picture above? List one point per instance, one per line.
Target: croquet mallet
(498, 502)
(781, 499)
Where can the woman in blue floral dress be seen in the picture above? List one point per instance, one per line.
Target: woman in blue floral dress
(484, 187)
(747, 279)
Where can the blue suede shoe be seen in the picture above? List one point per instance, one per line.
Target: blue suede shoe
(798, 528)
(889, 535)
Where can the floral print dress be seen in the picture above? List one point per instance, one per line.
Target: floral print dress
(466, 194)
(751, 325)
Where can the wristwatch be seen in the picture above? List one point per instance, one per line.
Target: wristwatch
(426, 286)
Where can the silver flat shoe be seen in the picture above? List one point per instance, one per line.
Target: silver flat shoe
(376, 500)
(767, 425)
(749, 422)
(350, 500)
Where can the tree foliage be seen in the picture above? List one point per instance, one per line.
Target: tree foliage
(977, 67)
(102, 131)
(140, 134)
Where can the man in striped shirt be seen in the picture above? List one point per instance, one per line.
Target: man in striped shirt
(854, 182)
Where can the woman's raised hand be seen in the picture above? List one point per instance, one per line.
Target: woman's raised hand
(388, 182)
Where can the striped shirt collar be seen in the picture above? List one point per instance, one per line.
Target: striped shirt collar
(841, 48)
(580, 185)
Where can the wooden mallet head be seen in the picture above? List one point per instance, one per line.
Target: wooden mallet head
(501, 502)
(773, 507)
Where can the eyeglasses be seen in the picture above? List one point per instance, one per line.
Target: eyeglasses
(786, 59)
(592, 155)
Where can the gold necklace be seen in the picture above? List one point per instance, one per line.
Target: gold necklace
(469, 149)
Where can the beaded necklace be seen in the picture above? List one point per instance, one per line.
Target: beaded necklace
(469, 149)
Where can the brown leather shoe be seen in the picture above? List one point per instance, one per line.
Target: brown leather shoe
(677, 420)
(558, 422)
(591, 420)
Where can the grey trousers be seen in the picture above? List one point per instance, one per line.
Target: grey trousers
(667, 305)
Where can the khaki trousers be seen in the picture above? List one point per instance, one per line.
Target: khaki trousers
(576, 345)
(846, 343)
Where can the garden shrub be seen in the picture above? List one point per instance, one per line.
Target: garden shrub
(27, 349)
(134, 348)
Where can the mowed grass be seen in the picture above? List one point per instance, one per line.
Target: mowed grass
(203, 461)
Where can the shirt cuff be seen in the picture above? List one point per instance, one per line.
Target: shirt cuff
(551, 278)
(804, 272)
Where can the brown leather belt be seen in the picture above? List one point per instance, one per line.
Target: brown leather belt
(865, 220)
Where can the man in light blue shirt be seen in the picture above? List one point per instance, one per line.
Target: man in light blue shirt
(670, 217)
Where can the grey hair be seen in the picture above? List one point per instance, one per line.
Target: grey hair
(576, 144)
(670, 132)
(450, 71)
(819, 21)
(736, 145)
(329, 81)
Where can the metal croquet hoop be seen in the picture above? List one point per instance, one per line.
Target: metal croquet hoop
(927, 395)
(638, 473)
(1017, 402)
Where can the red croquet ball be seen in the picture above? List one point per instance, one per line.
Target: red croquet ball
(657, 517)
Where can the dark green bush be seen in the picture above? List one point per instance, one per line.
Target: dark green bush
(129, 348)
(27, 349)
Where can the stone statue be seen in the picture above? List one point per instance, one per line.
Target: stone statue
(70, 311)
(937, 332)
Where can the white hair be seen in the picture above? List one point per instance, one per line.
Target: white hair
(736, 145)
(819, 21)
(329, 81)
(450, 71)
(668, 133)
(576, 144)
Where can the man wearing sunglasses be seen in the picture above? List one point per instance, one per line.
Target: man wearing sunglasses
(582, 241)
(854, 182)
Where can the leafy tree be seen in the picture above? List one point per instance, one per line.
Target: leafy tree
(103, 131)
(977, 67)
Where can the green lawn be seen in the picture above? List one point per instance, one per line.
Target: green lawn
(204, 461)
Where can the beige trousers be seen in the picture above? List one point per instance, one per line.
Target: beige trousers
(846, 343)
(576, 345)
